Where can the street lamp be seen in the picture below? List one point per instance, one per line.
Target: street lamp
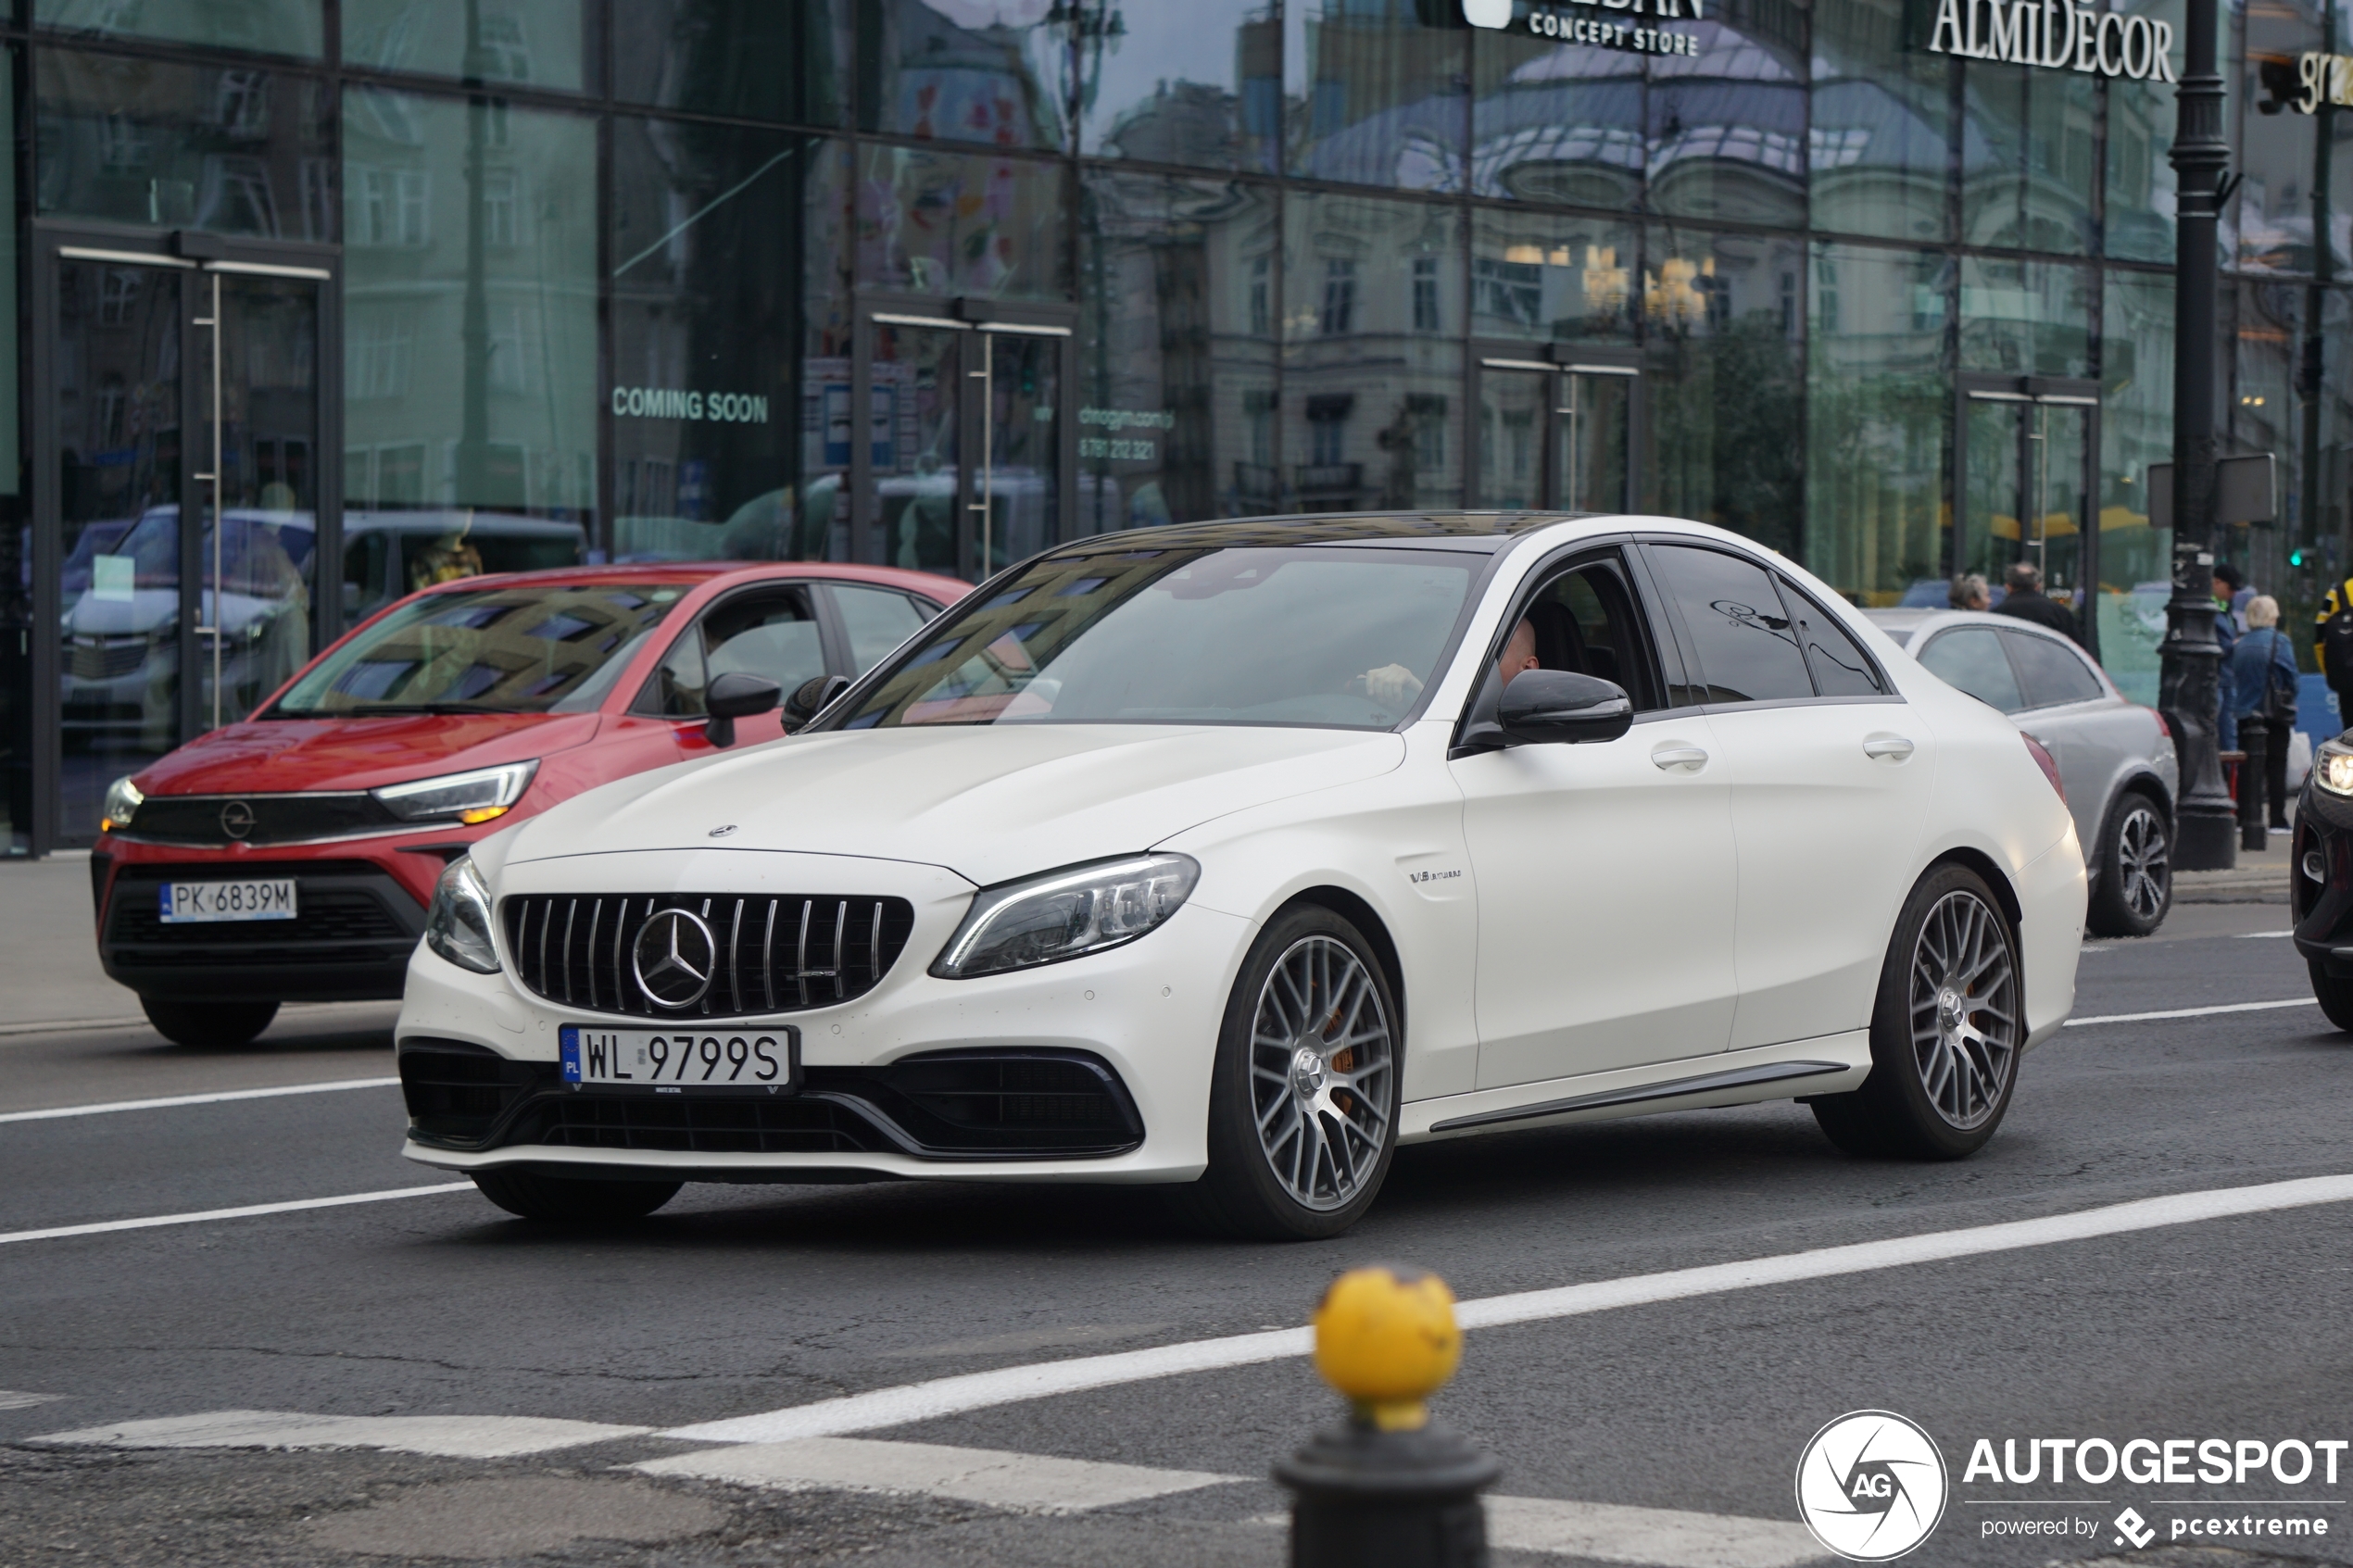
(2206, 838)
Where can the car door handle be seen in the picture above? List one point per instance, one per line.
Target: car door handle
(1893, 748)
(1679, 759)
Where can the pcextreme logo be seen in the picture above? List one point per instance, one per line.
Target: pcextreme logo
(1871, 1486)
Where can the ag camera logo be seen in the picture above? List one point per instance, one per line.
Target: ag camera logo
(1871, 1486)
(1488, 13)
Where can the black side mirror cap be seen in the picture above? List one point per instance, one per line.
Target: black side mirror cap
(736, 695)
(810, 698)
(1544, 706)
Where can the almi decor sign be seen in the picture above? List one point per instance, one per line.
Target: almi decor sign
(2056, 36)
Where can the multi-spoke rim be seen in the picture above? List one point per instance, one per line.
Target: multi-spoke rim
(1322, 1073)
(1965, 1012)
(2145, 859)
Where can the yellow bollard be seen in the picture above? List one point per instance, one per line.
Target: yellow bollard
(1389, 1489)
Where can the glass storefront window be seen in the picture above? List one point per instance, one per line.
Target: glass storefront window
(2277, 204)
(269, 27)
(1556, 122)
(1538, 276)
(1198, 84)
(2026, 317)
(1879, 414)
(1881, 111)
(760, 59)
(2030, 157)
(995, 71)
(1724, 381)
(1372, 367)
(1373, 94)
(955, 224)
(176, 146)
(469, 336)
(1175, 350)
(1726, 127)
(2136, 430)
(707, 400)
(527, 43)
(2139, 131)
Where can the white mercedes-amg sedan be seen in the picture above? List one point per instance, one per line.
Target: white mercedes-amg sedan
(1228, 857)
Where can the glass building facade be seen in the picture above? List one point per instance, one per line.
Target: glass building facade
(320, 301)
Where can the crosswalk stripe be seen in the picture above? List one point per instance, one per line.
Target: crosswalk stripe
(1027, 1483)
(250, 1211)
(2190, 1012)
(1655, 1537)
(170, 1101)
(451, 1436)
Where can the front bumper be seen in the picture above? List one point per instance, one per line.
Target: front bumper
(897, 1082)
(2322, 907)
(354, 928)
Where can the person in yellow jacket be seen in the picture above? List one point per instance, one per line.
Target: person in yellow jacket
(2340, 673)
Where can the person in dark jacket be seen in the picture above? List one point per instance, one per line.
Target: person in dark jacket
(2027, 601)
(2258, 663)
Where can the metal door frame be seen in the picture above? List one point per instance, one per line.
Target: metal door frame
(194, 255)
(2043, 393)
(980, 320)
(1561, 360)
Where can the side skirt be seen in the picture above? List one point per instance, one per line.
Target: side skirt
(1829, 1065)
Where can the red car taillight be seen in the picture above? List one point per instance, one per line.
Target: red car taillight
(2043, 761)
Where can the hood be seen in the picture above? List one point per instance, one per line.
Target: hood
(272, 757)
(990, 802)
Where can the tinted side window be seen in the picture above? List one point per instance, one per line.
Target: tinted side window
(1840, 667)
(1747, 647)
(1585, 620)
(877, 620)
(1971, 660)
(2051, 674)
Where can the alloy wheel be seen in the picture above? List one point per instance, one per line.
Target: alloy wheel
(2143, 860)
(1965, 1010)
(1322, 1066)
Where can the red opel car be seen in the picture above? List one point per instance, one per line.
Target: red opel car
(291, 857)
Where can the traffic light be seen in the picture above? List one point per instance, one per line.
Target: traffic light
(2295, 558)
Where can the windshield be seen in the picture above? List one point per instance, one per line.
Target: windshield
(522, 649)
(1316, 636)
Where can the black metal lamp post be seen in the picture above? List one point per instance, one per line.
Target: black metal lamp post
(2191, 658)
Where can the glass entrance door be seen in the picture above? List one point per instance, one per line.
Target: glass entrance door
(965, 462)
(1554, 437)
(2026, 487)
(176, 517)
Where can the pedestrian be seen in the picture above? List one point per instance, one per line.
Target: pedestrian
(2027, 601)
(2262, 679)
(1969, 592)
(2231, 592)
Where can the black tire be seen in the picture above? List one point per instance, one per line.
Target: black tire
(574, 1199)
(208, 1026)
(2135, 858)
(1949, 923)
(2335, 995)
(1242, 1193)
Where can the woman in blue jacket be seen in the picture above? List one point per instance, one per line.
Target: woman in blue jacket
(2257, 663)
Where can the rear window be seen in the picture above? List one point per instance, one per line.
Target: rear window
(517, 650)
(2051, 674)
(1971, 660)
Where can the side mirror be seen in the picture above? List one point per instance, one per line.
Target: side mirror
(736, 695)
(811, 697)
(1543, 706)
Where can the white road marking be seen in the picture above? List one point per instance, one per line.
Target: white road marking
(17, 1399)
(2192, 1012)
(951, 1396)
(248, 1211)
(169, 1101)
(1659, 1537)
(454, 1437)
(2259, 935)
(1028, 1483)
(61, 1026)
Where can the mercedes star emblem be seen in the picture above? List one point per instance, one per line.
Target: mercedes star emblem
(675, 957)
(236, 818)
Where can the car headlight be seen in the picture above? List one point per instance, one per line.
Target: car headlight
(2332, 770)
(1066, 914)
(123, 801)
(469, 797)
(458, 926)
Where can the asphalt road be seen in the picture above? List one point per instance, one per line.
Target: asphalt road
(424, 1308)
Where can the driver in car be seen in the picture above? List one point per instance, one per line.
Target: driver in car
(1394, 687)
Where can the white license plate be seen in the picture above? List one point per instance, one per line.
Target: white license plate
(668, 1061)
(191, 903)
